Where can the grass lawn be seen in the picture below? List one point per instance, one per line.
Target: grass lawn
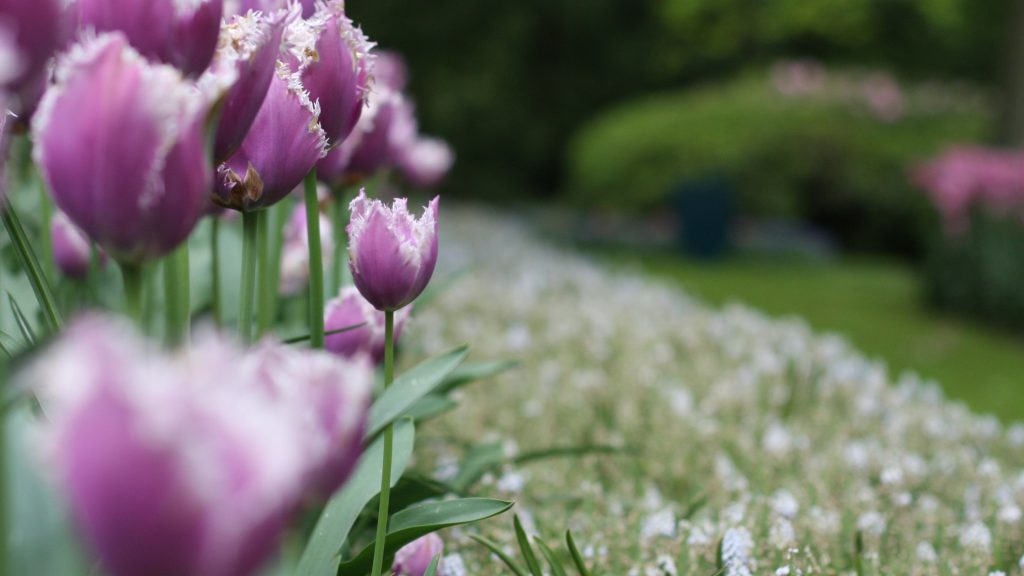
(876, 306)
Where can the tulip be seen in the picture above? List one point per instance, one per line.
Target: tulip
(192, 464)
(414, 558)
(181, 33)
(72, 251)
(370, 147)
(295, 252)
(120, 143)
(350, 309)
(338, 74)
(31, 31)
(392, 254)
(284, 143)
(426, 161)
(248, 50)
(390, 71)
(233, 7)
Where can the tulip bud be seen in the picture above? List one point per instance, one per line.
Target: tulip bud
(414, 558)
(350, 309)
(193, 463)
(426, 161)
(295, 251)
(248, 51)
(31, 32)
(120, 142)
(176, 32)
(391, 253)
(339, 71)
(72, 251)
(284, 143)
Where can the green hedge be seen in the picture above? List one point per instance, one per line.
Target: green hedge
(822, 158)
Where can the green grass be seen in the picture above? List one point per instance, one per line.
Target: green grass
(876, 306)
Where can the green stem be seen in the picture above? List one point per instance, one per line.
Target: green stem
(45, 240)
(385, 478)
(249, 239)
(266, 291)
(338, 217)
(316, 264)
(132, 274)
(5, 537)
(36, 276)
(176, 296)
(218, 317)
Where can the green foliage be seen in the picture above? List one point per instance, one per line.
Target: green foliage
(526, 543)
(979, 273)
(822, 158)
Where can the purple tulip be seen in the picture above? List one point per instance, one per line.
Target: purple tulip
(390, 70)
(371, 146)
(284, 143)
(120, 142)
(391, 253)
(247, 53)
(72, 250)
(332, 56)
(350, 309)
(233, 7)
(33, 30)
(426, 162)
(192, 464)
(182, 33)
(414, 558)
(295, 251)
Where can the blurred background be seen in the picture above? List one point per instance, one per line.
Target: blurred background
(857, 163)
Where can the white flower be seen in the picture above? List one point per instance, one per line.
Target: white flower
(871, 523)
(737, 546)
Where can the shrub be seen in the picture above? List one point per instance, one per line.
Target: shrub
(835, 154)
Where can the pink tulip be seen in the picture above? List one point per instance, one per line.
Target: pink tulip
(72, 251)
(350, 309)
(414, 558)
(295, 251)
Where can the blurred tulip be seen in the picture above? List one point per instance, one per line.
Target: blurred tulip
(391, 253)
(72, 250)
(426, 161)
(248, 51)
(284, 143)
(295, 252)
(191, 464)
(414, 558)
(370, 147)
(390, 70)
(332, 57)
(182, 33)
(31, 31)
(350, 309)
(120, 142)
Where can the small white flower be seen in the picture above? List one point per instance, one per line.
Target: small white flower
(926, 552)
(871, 523)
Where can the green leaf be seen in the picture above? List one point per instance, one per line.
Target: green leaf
(422, 519)
(497, 551)
(300, 339)
(412, 489)
(432, 568)
(479, 459)
(23, 325)
(321, 556)
(525, 548)
(429, 407)
(577, 558)
(32, 268)
(476, 371)
(438, 286)
(549, 555)
(408, 388)
(571, 451)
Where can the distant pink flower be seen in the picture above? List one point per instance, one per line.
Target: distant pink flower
(414, 558)
(798, 77)
(72, 251)
(295, 251)
(884, 97)
(350, 309)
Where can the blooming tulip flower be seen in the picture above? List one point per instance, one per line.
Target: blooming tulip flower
(295, 251)
(426, 161)
(248, 49)
(181, 33)
(33, 30)
(120, 142)
(350, 309)
(332, 57)
(370, 147)
(284, 143)
(414, 558)
(392, 254)
(72, 251)
(390, 70)
(191, 464)
(233, 7)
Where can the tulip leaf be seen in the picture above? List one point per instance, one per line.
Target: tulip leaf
(549, 555)
(577, 558)
(497, 551)
(30, 263)
(429, 407)
(432, 568)
(477, 371)
(300, 339)
(408, 388)
(525, 548)
(412, 489)
(479, 459)
(321, 556)
(23, 325)
(420, 520)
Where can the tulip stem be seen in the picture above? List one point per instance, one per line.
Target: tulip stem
(266, 291)
(278, 214)
(249, 239)
(215, 270)
(132, 275)
(385, 477)
(338, 223)
(177, 300)
(316, 264)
